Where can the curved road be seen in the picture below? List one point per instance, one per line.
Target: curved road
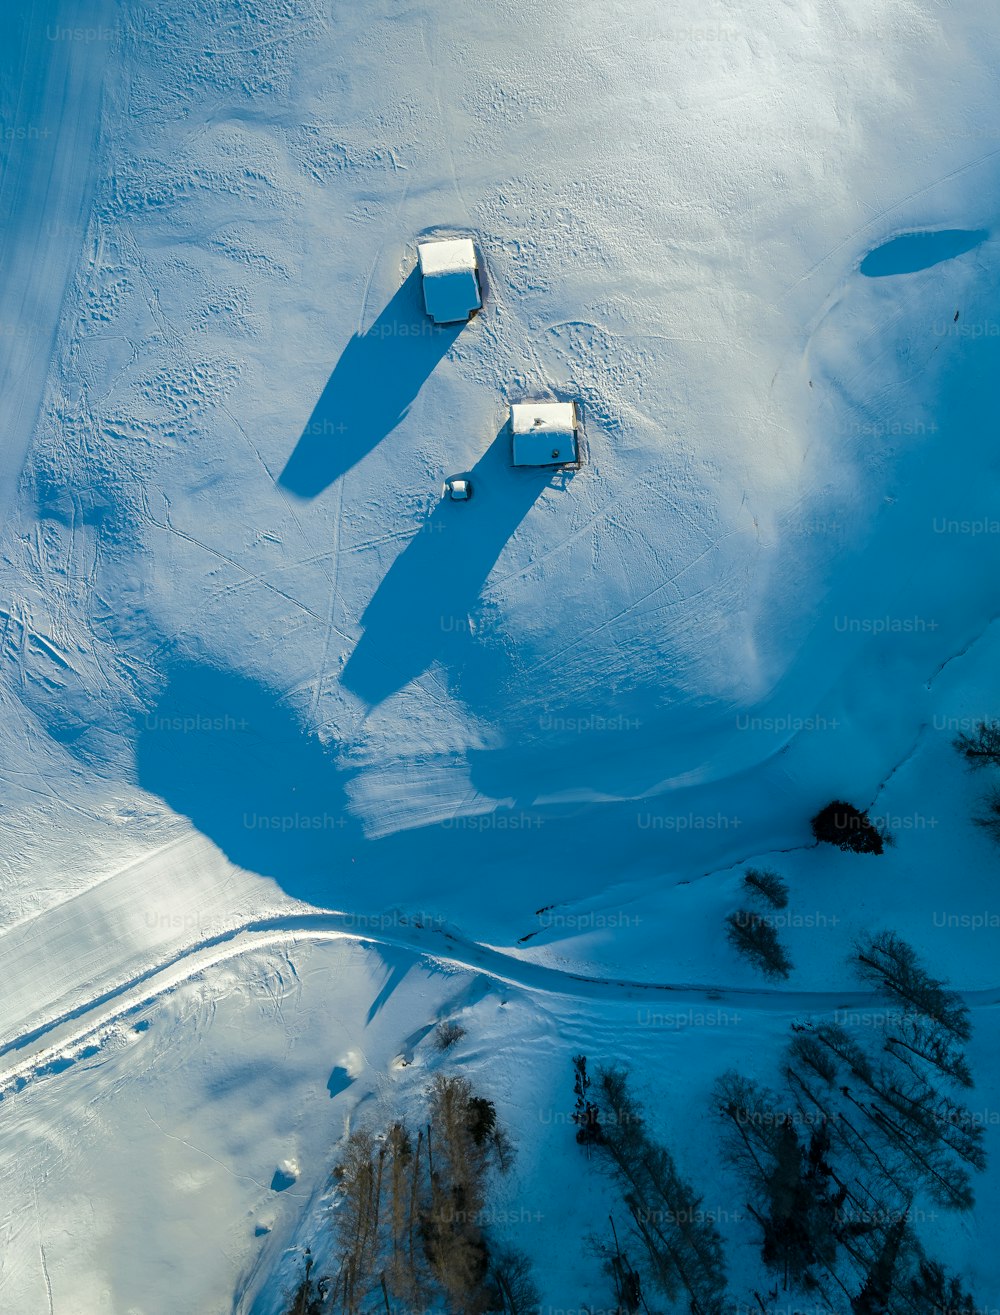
(37, 1047)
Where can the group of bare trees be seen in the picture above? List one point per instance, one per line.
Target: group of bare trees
(676, 1240)
(869, 1134)
(753, 933)
(411, 1223)
(981, 749)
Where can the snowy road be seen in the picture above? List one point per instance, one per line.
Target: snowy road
(38, 1048)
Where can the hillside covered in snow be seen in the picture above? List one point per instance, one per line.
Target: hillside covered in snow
(319, 785)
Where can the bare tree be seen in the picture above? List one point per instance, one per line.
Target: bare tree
(767, 885)
(682, 1245)
(753, 936)
(885, 960)
(982, 747)
(517, 1290)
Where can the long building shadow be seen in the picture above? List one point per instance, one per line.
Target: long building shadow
(224, 752)
(422, 611)
(372, 387)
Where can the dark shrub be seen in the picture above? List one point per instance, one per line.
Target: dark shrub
(847, 827)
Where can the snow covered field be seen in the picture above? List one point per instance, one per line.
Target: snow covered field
(299, 759)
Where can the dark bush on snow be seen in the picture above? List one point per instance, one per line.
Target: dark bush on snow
(848, 828)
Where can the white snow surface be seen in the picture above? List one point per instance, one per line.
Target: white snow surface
(547, 417)
(299, 759)
(446, 256)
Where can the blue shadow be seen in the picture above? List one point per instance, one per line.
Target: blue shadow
(422, 611)
(372, 387)
(338, 1081)
(911, 252)
(227, 754)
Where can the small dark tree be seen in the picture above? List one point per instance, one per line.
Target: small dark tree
(982, 747)
(874, 1297)
(586, 1115)
(482, 1120)
(448, 1033)
(631, 1288)
(755, 937)
(768, 885)
(848, 828)
(628, 1284)
(785, 1241)
(935, 1292)
(308, 1300)
(798, 1214)
(991, 821)
(516, 1290)
(487, 1133)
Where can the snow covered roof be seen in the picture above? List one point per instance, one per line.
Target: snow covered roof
(544, 433)
(450, 278)
(446, 255)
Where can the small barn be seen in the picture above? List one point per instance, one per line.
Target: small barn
(449, 271)
(545, 433)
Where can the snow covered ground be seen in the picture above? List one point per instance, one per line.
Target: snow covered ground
(297, 758)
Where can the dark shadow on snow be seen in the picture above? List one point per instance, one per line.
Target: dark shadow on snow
(282, 1181)
(224, 752)
(911, 252)
(338, 1081)
(370, 391)
(421, 611)
(396, 973)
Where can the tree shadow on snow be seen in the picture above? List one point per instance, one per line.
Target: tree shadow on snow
(338, 1081)
(224, 752)
(421, 611)
(372, 387)
(909, 253)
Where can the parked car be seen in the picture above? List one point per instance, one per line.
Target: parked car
(459, 490)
